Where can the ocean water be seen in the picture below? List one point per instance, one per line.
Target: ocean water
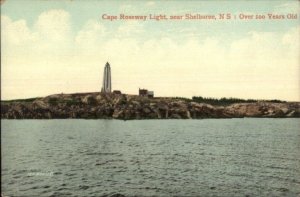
(210, 157)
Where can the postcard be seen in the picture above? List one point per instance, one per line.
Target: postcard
(150, 98)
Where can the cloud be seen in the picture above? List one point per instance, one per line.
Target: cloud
(289, 7)
(50, 34)
(91, 33)
(128, 28)
(49, 58)
(292, 37)
(53, 26)
(127, 8)
(150, 3)
(14, 32)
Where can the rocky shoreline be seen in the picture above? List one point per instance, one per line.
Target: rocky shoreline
(129, 107)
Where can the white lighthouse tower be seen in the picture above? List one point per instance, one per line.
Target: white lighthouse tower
(106, 86)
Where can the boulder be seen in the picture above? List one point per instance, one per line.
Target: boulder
(99, 98)
(146, 110)
(42, 104)
(118, 114)
(89, 100)
(99, 105)
(120, 100)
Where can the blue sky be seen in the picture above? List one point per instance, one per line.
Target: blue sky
(81, 11)
(61, 46)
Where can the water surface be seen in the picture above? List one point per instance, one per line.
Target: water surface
(223, 157)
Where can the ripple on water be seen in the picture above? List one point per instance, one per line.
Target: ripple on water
(167, 158)
(104, 154)
(84, 187)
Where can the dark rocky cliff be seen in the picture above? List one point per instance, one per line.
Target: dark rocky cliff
(107, 106)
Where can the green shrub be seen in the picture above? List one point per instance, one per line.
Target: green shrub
(53, 101)
(228, 101)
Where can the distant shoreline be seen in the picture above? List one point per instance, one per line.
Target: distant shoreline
(132, 107)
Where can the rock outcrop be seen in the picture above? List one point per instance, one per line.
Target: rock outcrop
(126, 107)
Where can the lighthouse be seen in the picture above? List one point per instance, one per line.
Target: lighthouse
(106, 86)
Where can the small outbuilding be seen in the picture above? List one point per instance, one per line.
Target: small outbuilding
(146, 93)
(150, 94)
(117, 92)
(143, 92)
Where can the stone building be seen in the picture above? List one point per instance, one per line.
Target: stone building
(146, 93)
